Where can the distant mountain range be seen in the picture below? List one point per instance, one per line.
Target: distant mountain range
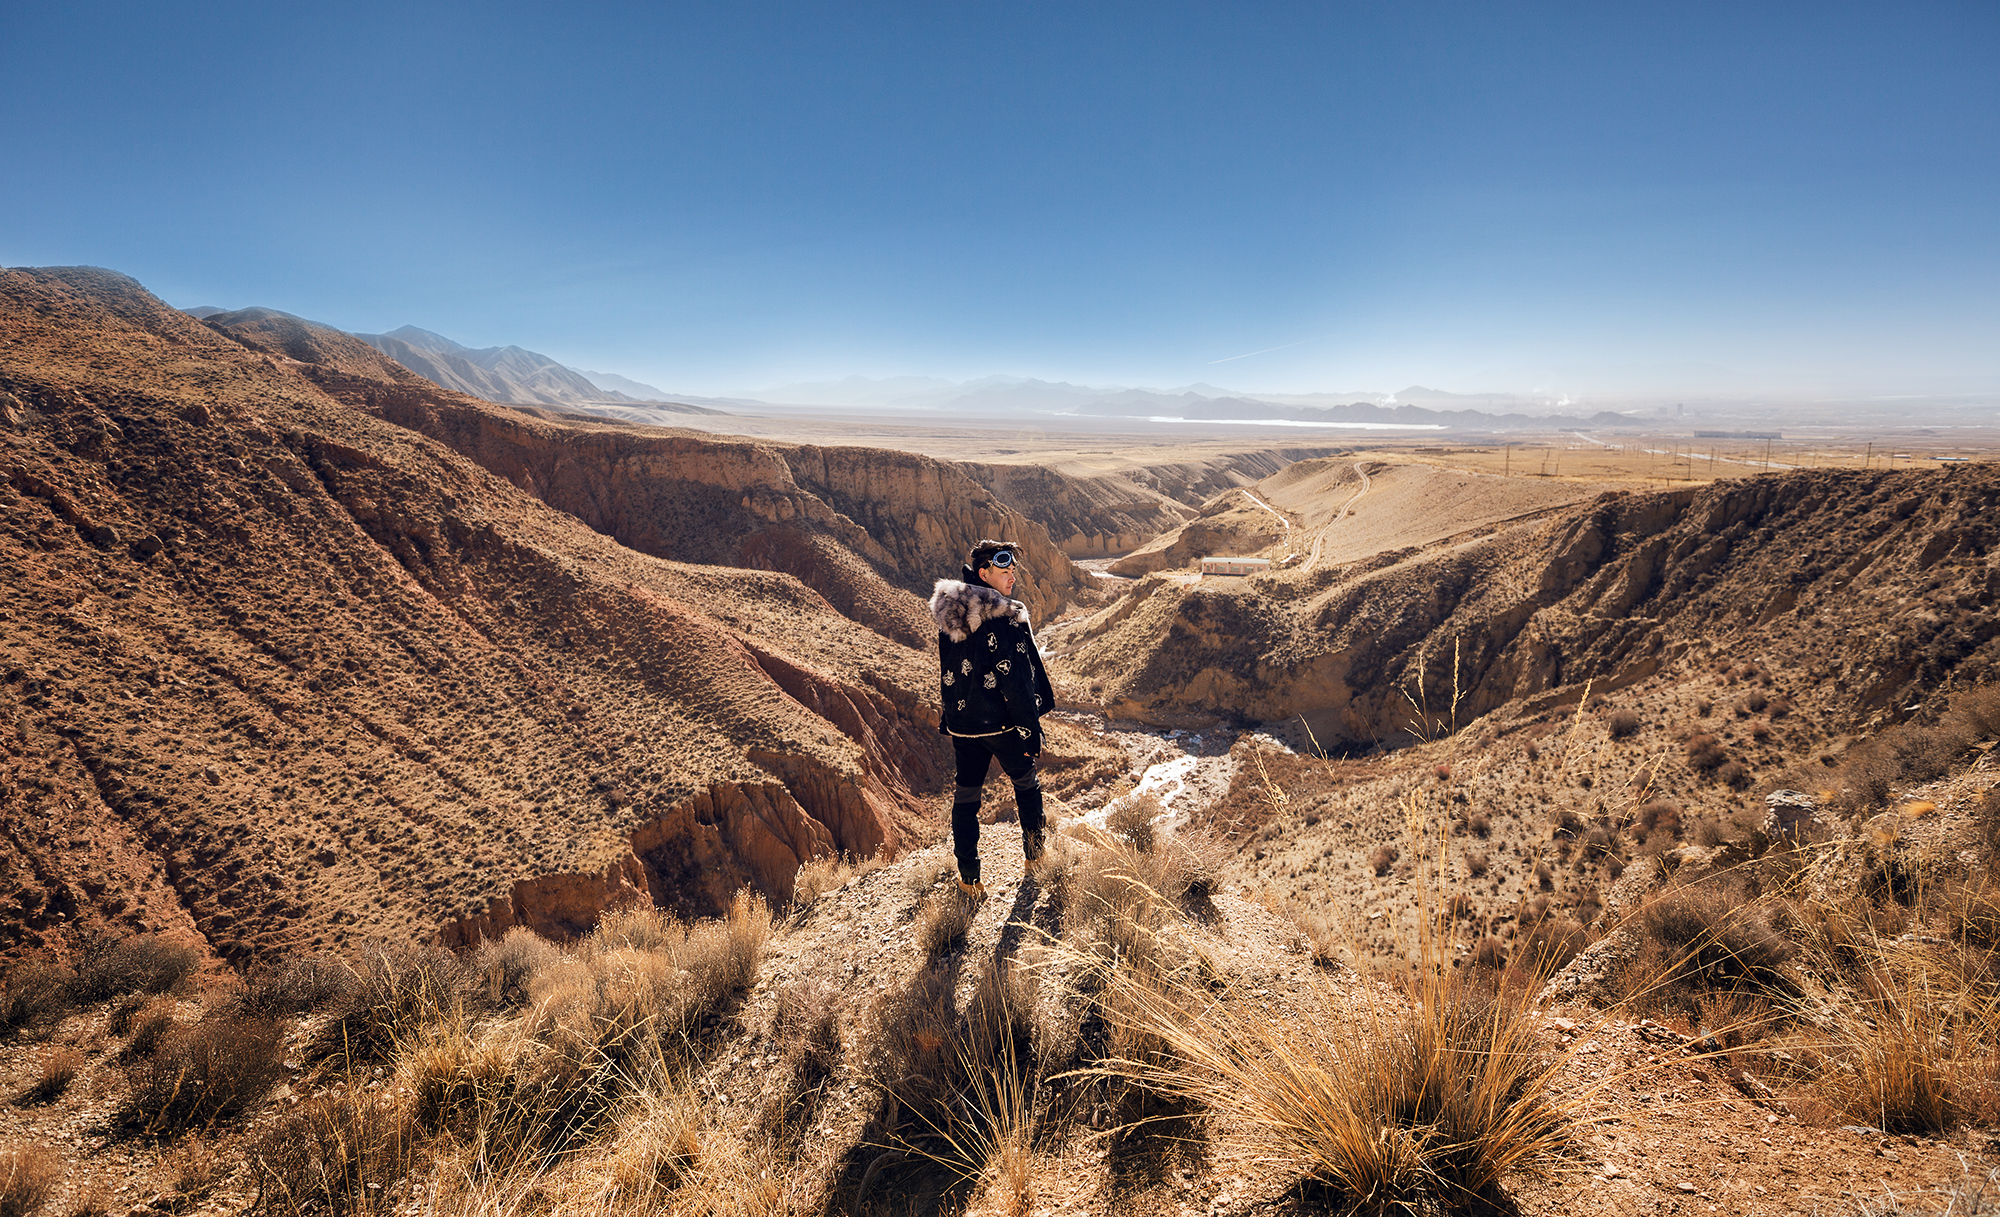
(1415, 406)
(510, 375)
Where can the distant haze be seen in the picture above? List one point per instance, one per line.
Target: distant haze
(1627, 206)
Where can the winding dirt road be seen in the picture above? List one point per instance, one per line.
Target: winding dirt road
(1319, 539)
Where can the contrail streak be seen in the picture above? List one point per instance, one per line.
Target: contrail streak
(1267, 350)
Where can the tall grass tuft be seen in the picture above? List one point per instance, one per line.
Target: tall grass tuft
(1408, 1100)
(27, 1180)
(1911, 1046)
(335, 1156)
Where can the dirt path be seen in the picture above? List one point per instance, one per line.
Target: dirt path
(1319, 540)
(1281, 519)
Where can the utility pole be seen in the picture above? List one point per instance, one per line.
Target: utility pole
(1869, 455)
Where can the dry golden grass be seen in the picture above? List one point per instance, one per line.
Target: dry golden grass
(59, 1068)
(943, 917)
(27, 1180)
(1909, 1045)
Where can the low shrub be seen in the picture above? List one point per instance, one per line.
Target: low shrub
(1132, 821)
(1713, 937)
(943, 919)
(1705, 752)
(1623, 724)
(818, 876)
(1733, 775)
(1548, 944)
(806, 1034)
(397, 991)
(149, 1026)
(312, 983)
(1423, 1108)
(144, 964)
(59, 1068)
(1382, 859)
(38, 992)
(505, 967)
(1476, 865)
(203, 1073)
(1657, 816)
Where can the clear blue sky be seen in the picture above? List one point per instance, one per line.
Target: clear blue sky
(718, 196)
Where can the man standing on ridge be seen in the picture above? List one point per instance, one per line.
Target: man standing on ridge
(995, 693)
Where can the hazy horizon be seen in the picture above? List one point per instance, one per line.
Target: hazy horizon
(1791, 199)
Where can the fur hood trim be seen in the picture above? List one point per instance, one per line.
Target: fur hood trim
(960, 608)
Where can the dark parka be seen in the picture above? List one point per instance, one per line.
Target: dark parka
(989, 670)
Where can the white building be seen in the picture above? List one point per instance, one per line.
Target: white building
(1234, 566)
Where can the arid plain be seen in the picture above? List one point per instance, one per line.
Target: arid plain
(1581, 822)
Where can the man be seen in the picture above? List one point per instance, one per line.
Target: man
(995, 693)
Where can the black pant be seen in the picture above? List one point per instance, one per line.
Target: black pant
(976, 755)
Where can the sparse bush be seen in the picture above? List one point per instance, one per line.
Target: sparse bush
(1567, 825)
(1657, 816)
(1480, 825)
(1707, 832)
(1382, 859)
(943, 918)
(1623, 724)
(149, 1026)
(1476, 865)
(1704, 708)
(332, 1155)
(1987, 816)
(956, 1085)
(1132, 821)
(311, 983)
(454, 1079)
(1714, 939)
(807, 1034)
(1549, 943)
(59, 1068)
(1423, 1108)
(1913, 1055)
(205, 1072)
(1322, 938)
(506, 967)
(1705, 752)
(144, 964)
(37, 992)
(192, 1171)
(1761, 732)
(398, 990)
(1597, 844)
(818, 876)
(1733, 775)
(1751, 703)
(27, 1180)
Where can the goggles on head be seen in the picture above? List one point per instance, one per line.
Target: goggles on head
(1001, 559)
